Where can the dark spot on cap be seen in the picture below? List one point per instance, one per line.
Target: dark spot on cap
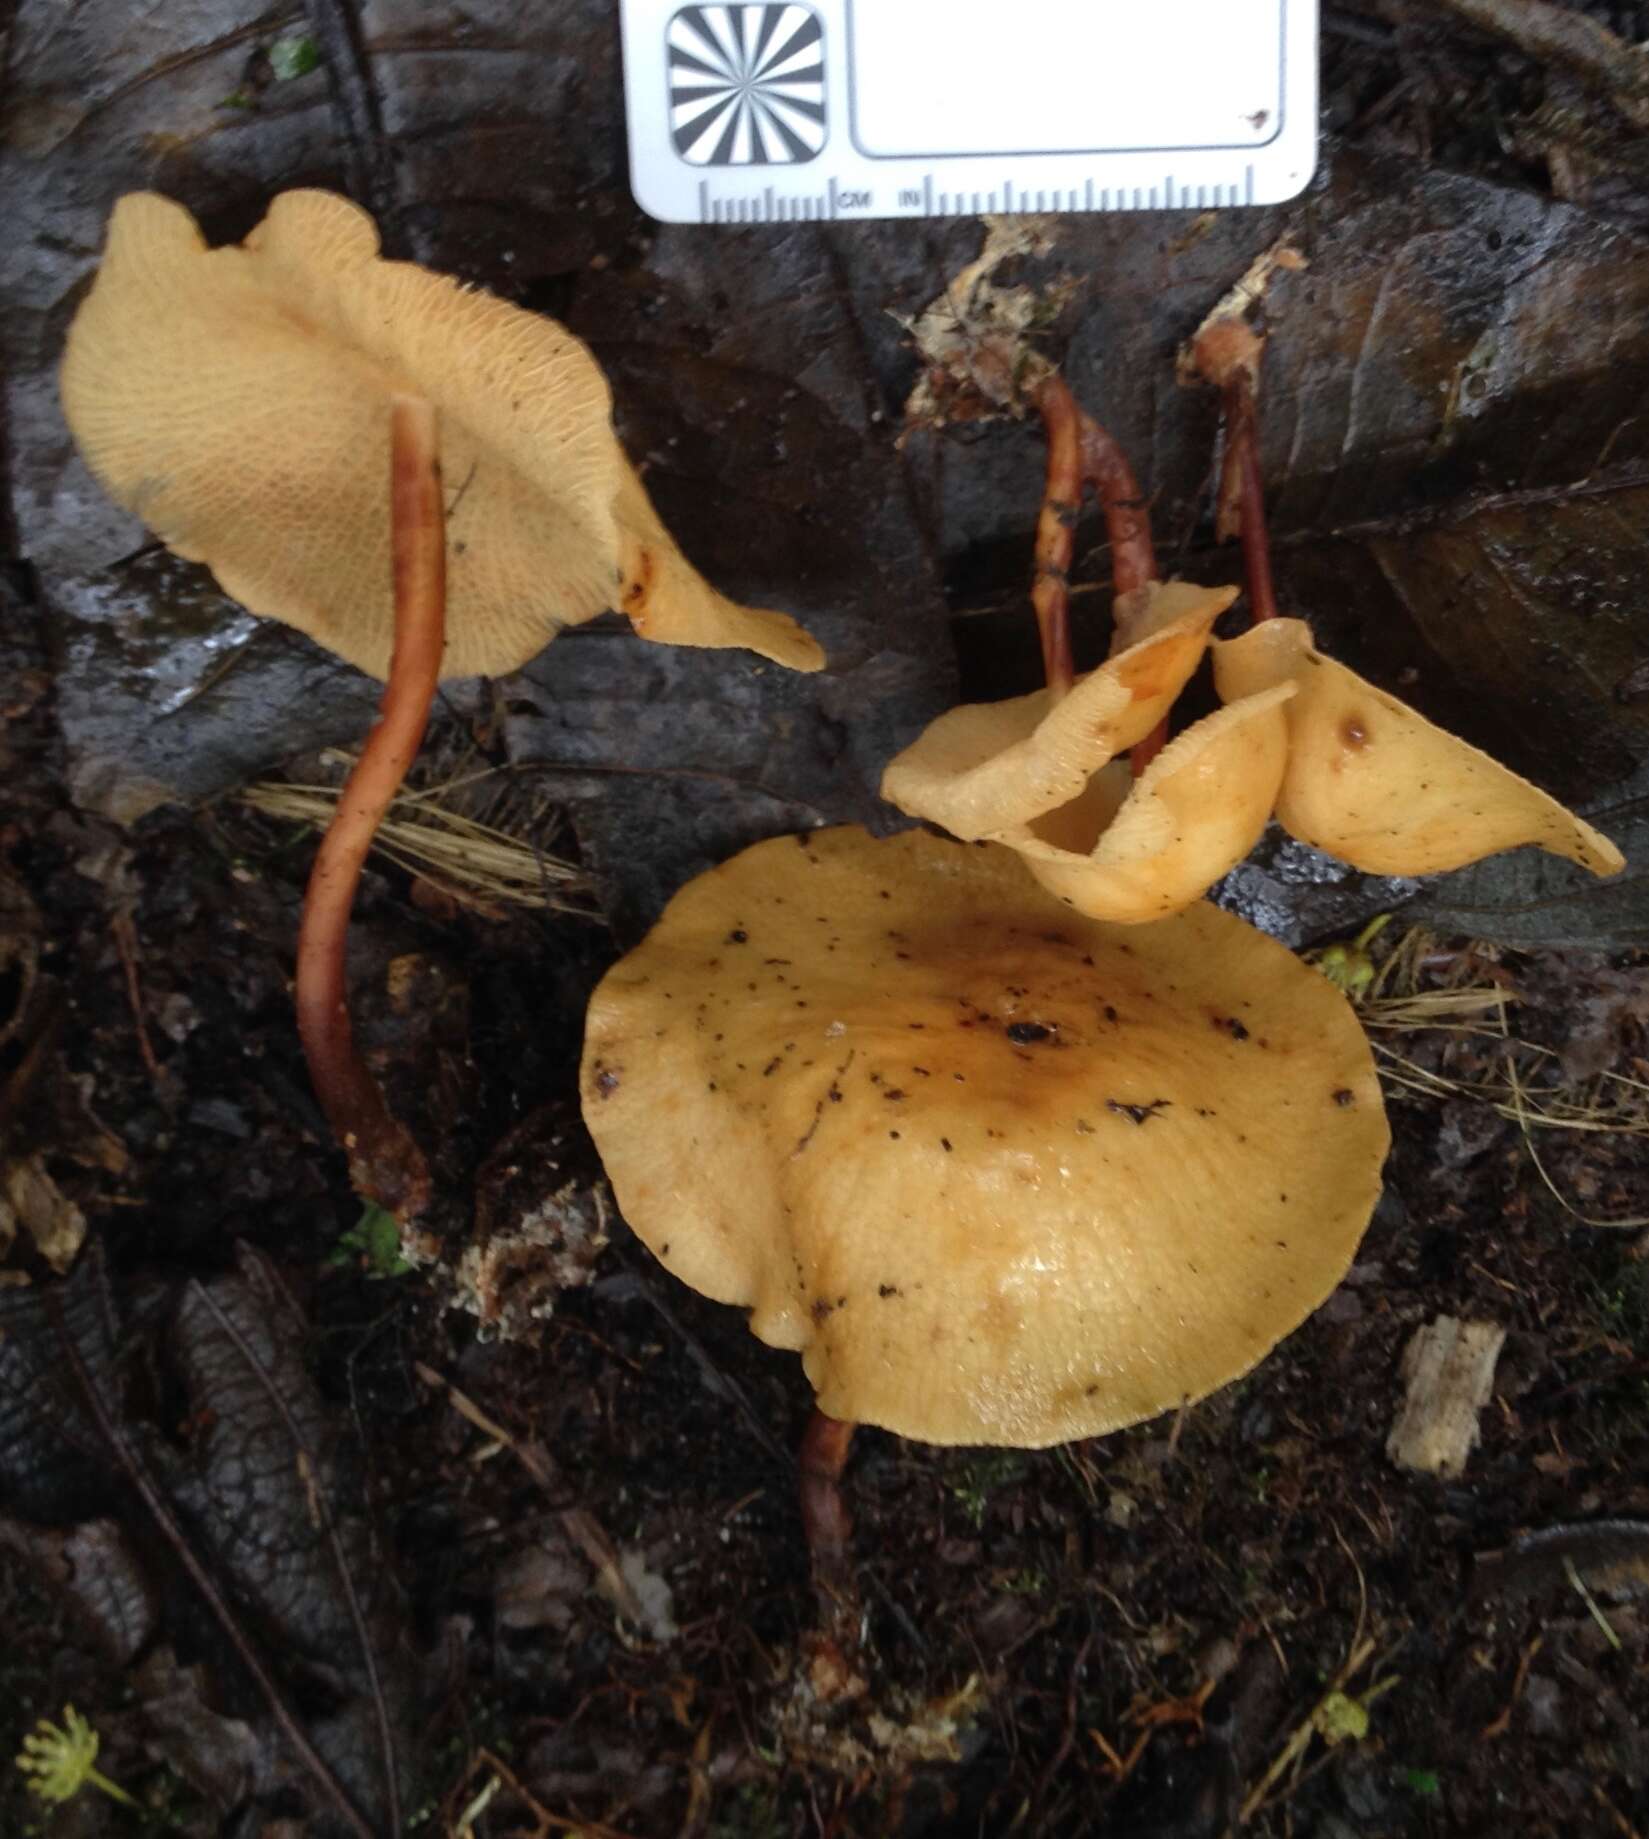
(893, 1092)
(738, 936)
(944, 1144)
(821, 1310)
(1232, 1027)
(1024, 1033)
(606, 1082)
(1345, 1096)
(1352, 732)
(887, 1289)
(1140, 1114)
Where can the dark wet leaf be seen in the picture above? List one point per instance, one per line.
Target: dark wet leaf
(225, 1759)
(93, 1565)
(258, 1473)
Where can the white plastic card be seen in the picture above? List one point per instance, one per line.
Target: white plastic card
(764, 111)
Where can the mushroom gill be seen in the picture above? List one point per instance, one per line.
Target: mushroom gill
(238, 400)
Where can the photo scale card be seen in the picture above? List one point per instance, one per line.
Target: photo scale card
(764, 111)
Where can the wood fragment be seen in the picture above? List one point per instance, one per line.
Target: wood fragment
(1448, 1368)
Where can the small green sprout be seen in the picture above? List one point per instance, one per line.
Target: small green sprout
(1423, 1782)
(60, 1762)
(1347, 963)
(375, 1242)
(294, 57)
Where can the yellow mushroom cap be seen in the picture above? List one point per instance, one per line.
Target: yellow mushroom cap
(1376, 784)
(237, 399)
(1134, 850)
(1000, 1173)
(985, 767)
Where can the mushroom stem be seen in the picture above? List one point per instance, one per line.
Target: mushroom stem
(1081, 451)
(1056, 531)
(385, 1164)
(1127, 514)
(825, 1518)
(1133, 555)
(1241, 507)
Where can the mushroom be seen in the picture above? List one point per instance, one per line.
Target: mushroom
(1367, 778)
(1122, 841)
(237, 399)
(999, 1173)
(1130, 850)
(1373, 782)
(242, 401)
(982, 769)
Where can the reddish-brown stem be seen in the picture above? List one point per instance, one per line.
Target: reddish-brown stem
(1056, 531)
(825, 1518)
(1127, 515)
(1242, 495)
(385, 1164)
(1133, 555)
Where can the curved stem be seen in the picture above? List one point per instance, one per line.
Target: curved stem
(1133, 555)
(385, 1164)
(1056, 531)
(1127, 513)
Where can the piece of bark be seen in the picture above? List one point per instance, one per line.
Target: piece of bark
(1448, 1369)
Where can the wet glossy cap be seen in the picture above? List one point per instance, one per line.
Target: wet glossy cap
(985, 767)
(1376, 784)
(237, 399)
(999, 1173)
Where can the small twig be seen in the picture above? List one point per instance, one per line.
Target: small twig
(547, 1822)
(1500, 1725)
(125, 938)
(580, 1525)
(1593, 1609)
(386, 1740)
(174, 1536)
(1300, 1740)
(1067, 1735)
(386, 1165)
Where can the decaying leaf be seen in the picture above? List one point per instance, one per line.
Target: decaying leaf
(32, 1202)
(237, 399)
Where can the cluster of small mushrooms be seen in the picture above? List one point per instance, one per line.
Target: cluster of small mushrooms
(1010, 1133)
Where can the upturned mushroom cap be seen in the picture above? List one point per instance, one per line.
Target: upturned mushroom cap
(1376, 784)
(1001, 1174)
(985, 767)
(237, 399)
(1133, 850)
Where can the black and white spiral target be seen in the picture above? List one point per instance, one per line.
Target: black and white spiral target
(747, 84)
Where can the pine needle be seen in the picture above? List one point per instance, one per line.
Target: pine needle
(481, 865)
(1610, 1104)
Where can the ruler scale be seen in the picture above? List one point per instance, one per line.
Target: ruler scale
(808, 111)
